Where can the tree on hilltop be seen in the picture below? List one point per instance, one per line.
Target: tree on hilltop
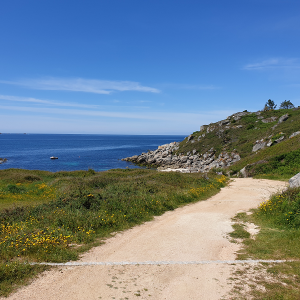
(286, 104)
(270, 105)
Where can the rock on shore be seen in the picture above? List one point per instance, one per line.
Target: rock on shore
(164, 158)
(2, 160)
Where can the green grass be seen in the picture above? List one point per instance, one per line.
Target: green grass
(239, 232)
(281, 161)
(55, 216)
(279, 238)
(12, 275)
(242, 139)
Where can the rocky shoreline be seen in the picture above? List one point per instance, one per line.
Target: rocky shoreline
(165, 159)
(2, 160)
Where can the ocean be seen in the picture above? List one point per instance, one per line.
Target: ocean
(76, 151)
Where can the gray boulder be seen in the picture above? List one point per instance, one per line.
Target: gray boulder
(283, 118)
(270, 143)
(294, 134)
(183, 159)
(269, 120)
(280, 139)
(202, 127)
(259, 145)
(243, 172)
(295, 181)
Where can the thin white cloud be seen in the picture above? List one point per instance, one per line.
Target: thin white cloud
(274, 63)
(213, 116)
(47, 102)
(66, 104)
(82, 85)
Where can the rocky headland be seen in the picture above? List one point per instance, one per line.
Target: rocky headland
(222, 144)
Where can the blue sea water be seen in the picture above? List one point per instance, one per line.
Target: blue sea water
(76, 151)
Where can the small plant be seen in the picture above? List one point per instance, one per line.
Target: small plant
(15, 189)
(276, 137)
(250, 126)
(239, 232)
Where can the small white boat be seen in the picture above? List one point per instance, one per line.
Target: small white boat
(53, 157)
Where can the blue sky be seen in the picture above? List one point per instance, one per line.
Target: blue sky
(143, 67)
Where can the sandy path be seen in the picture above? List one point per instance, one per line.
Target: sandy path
(195, 232)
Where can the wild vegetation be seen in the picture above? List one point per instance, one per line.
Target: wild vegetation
(55, 216)
(278, 238)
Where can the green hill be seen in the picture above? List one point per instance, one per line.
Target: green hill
(264, 140)
(266, 143)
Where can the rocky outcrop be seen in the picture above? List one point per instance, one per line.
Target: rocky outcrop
(283, 118)
(2, 160)
(269, 120)
(295, 181)
(260, 144)
(164, 158)
(294, 134)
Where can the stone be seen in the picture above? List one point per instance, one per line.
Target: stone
(151, 160)
(294, 134)
(183, 159)
(141, 159)
(238, 115)
(269, 144)
(295, 181)
(243, 172)
(269, 120)
(194, 151)
(283, 118)
(274, 126)
(280, 139)
(258, 146)
(190, 137)
(165, 154)
(224, 122)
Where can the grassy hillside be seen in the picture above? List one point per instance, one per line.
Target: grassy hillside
(241, 133)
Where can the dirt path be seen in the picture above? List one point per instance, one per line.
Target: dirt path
(196, 232)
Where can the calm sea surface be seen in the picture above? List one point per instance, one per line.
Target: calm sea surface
(76, 151)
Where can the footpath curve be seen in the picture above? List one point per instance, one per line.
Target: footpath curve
(193, 233)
